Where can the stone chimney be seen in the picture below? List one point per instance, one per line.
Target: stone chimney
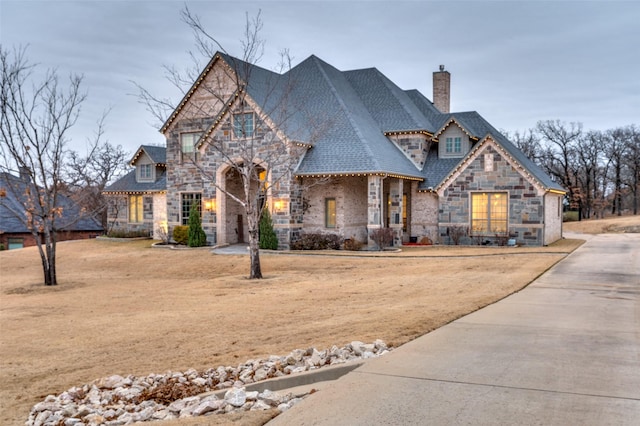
(25, 174)
(442, 89)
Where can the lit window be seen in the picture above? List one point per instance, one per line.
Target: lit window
(243, 126)
(136, 208)
(330, 212)
(189, 198)
(489, 213)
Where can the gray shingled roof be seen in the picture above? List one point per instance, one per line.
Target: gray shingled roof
(11, 205)
(344, 115)
(128, 183)
(475, 124)
(157, 154)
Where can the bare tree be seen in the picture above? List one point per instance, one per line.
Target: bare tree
(590, 178)
(260, 155)
(633, 164)
(89, 173)
(35, 118)
(528, 142)
(559, 157)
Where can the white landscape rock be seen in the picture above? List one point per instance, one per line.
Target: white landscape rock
(118, 400)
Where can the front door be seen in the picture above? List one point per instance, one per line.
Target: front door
(240, 229)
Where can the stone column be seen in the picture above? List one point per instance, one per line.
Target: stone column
(374, 195)
(395, 209)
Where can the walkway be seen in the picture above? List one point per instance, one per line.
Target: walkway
(563, 351)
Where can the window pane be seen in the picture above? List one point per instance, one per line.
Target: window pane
(449, 145)
(479, 213)
(330, 213)
(458, 145)
(489, 213)
(135, 208)
(188, 142)
(187, 200)
(498, 210)
(243, 125)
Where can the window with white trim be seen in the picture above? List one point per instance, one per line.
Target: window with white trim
(136, 208)
(330, 213)
(243, 125)
(186, 200)
(489, 214)
(188, 143)
(145, 172)
(453, 145)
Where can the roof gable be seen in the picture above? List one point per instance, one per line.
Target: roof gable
(475, 152)
(157, 154)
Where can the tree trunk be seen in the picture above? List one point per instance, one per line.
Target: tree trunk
(253, 223)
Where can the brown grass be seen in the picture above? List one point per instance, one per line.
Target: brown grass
(127, 308)
(607, 225)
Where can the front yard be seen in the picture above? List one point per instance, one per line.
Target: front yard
(127, 308)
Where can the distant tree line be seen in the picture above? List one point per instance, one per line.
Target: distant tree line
(599, 169)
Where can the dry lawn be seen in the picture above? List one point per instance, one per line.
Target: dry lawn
(608, 225)
(128, 308)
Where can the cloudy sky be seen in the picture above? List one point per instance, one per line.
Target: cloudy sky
(515, 62)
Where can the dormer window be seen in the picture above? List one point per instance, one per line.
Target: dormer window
(453, 145)
(243, 125)
(145, 172)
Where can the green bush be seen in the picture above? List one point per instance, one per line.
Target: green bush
(196, 236)
(268, 237)
(181, 234)
(317, 241)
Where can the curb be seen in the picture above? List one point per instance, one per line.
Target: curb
(323, 374)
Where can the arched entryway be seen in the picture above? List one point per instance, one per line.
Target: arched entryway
(233, 228)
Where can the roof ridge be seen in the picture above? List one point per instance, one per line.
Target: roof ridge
(319, 62)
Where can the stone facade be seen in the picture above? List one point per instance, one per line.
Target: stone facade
(153, 218)
(490, 171)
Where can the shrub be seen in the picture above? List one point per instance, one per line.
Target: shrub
(196, 236)
(353, 244)
(383, 237)
(164, 234)
(317, 241)
(268, 237)
(502, 239)
(181, 234)
(456, 233)
(122, 233)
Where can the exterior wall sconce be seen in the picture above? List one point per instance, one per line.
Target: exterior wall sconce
(279, 205)
(210, 205)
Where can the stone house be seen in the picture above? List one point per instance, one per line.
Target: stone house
(363, 154)
(137, 202)
(71, 224)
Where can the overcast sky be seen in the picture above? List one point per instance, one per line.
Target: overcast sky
(515, 62)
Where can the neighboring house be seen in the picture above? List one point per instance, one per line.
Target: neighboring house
(70, 225)
(137, 201)
(367, 155)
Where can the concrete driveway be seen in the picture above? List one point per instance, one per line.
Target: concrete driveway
(564, 351)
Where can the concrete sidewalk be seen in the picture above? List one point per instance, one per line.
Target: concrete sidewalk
(564, 351)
